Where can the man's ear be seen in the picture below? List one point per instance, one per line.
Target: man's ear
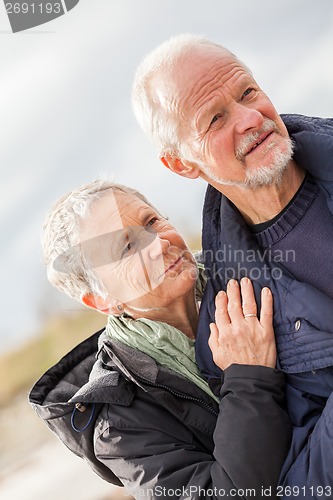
(181, 167)
(96, 302)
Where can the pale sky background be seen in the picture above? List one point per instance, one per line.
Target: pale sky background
(66, 117)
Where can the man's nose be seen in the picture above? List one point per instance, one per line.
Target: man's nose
(246, 118)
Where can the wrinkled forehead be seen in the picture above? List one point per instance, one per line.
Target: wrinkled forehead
(186, 81)
(113, 219)
(112, 211)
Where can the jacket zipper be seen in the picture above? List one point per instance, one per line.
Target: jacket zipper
(179, 394)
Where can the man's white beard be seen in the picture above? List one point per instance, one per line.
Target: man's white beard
(261, 176)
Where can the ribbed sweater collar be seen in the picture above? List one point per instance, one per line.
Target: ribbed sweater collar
(290, 216)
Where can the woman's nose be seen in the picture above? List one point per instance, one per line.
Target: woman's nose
(158, 247)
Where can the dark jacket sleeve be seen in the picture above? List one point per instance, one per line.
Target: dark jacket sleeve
(308, 467)
(162, 458)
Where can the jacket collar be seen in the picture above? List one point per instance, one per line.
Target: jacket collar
(79, 377)
(313, 141)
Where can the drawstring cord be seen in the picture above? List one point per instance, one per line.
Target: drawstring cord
(80, 407)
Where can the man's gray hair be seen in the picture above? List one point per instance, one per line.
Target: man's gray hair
(158, 121)
(60, 239)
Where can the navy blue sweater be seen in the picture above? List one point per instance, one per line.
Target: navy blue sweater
(301, 237)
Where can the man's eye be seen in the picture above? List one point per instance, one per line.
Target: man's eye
(247, 92)
(215, 118)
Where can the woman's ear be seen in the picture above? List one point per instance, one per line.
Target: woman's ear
(106, 306)
(181, 167)
(96, 302)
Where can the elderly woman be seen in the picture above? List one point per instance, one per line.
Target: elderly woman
(130, 399)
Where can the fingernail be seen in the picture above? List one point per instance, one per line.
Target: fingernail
(245, 280)
(266, 291)
(232, 282)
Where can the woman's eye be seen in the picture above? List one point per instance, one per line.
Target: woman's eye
(128, 247)
(152, 221)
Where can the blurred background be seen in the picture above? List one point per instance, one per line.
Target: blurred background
(66, 119)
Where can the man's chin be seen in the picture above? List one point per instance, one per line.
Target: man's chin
(268, 175)
(264, 176)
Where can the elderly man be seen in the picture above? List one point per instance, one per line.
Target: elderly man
(267, 215)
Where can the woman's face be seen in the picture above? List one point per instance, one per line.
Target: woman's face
(137, 255)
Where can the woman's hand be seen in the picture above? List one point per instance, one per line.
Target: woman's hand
(238, 336)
